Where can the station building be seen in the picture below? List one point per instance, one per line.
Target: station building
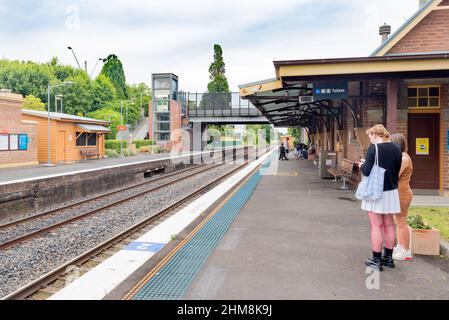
(72, 138)
(18, 137)
(403, 84)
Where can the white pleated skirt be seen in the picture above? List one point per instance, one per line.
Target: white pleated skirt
(388, 204)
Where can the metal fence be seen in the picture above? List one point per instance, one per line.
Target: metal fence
(216, 105)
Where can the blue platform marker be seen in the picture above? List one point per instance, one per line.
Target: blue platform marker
(144, 246)
(174, 278)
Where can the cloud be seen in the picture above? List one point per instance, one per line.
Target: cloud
(178, 36)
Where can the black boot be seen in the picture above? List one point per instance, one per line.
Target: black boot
(375, 262)
(387, 258)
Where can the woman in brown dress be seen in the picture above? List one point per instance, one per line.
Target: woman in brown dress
(402, 251)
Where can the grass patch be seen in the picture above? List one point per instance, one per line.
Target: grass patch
(436, 217)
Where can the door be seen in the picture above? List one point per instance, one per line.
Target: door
(61, 153)
(424, 149)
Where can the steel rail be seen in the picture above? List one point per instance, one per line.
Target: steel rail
(53, 275)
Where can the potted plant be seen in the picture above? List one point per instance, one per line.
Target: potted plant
(425, 240)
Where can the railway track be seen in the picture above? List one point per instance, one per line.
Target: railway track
(41, 287)
(31, 235)
(95, 198)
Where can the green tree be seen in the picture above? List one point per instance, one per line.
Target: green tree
(77, 97)
(217, 70)
(141, 95)
(26, 78)
(32, 103)
(110, 115)
(102, 92)
(296, 133)
(113, 69)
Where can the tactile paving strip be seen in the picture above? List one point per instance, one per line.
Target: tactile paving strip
(175, 276)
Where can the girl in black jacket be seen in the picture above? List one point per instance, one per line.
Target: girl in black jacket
(381, 211)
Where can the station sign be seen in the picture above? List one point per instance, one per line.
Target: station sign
(330, 90)
(121, 128)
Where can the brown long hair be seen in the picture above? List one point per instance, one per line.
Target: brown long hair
(399, 140)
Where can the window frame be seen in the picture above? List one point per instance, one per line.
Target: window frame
(88, 134)
(428, 96)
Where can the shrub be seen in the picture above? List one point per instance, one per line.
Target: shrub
(115, 145)
(143, 143)
(125, 152)
(132, 153)
(111, 153)
(416, 222)
(144, 149)
(156, 149)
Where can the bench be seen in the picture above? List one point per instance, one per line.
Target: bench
(344, 172)
(90, 153)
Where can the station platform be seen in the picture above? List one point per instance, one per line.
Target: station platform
(282, 234)
(14, 174)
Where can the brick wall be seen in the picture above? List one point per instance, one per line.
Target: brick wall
(429, 35)
(10, 109)
(445, 152)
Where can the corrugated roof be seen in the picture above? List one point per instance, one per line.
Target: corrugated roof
(93, 128)
(61, 116)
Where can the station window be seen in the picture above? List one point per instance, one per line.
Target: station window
(163, 126)
(163, 117)
(86, 139)
(162, 136)
(424, 97)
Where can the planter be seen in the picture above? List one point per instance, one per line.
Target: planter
(425, 242)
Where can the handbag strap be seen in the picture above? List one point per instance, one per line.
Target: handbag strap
(376, 161)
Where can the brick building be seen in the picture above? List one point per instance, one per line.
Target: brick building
(403, 84)
(18, 137)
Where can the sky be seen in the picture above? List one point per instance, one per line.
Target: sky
(156, 36)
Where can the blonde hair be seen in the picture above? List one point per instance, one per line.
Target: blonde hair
(380, 131)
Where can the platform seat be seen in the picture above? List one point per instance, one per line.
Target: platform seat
(345, 171)
(90, 152)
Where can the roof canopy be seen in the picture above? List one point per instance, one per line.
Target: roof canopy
(63, 117)
(92, 128)
(279, 99)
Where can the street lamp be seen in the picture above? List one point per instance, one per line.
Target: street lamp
(99, 59)
(58, 97)
(70, 48)
(49, 164)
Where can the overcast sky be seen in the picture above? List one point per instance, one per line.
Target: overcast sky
(152, 36)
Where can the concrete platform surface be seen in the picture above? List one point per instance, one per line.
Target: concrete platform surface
(299, 237)
(28, 172)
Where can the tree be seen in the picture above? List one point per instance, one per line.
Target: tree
(32, 103)
(113, 69)
(217, 71)
(141, 95)
(102, 92)
(77, 97)
(110, 115)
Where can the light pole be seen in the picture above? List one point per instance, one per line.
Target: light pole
(99, 59)
(49, 164)
(70, 48)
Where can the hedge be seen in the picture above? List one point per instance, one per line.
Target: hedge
(110, 153)
(143, 143)
(115, 145)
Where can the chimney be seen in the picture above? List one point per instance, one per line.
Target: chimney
(422, 3)
(385, 31)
